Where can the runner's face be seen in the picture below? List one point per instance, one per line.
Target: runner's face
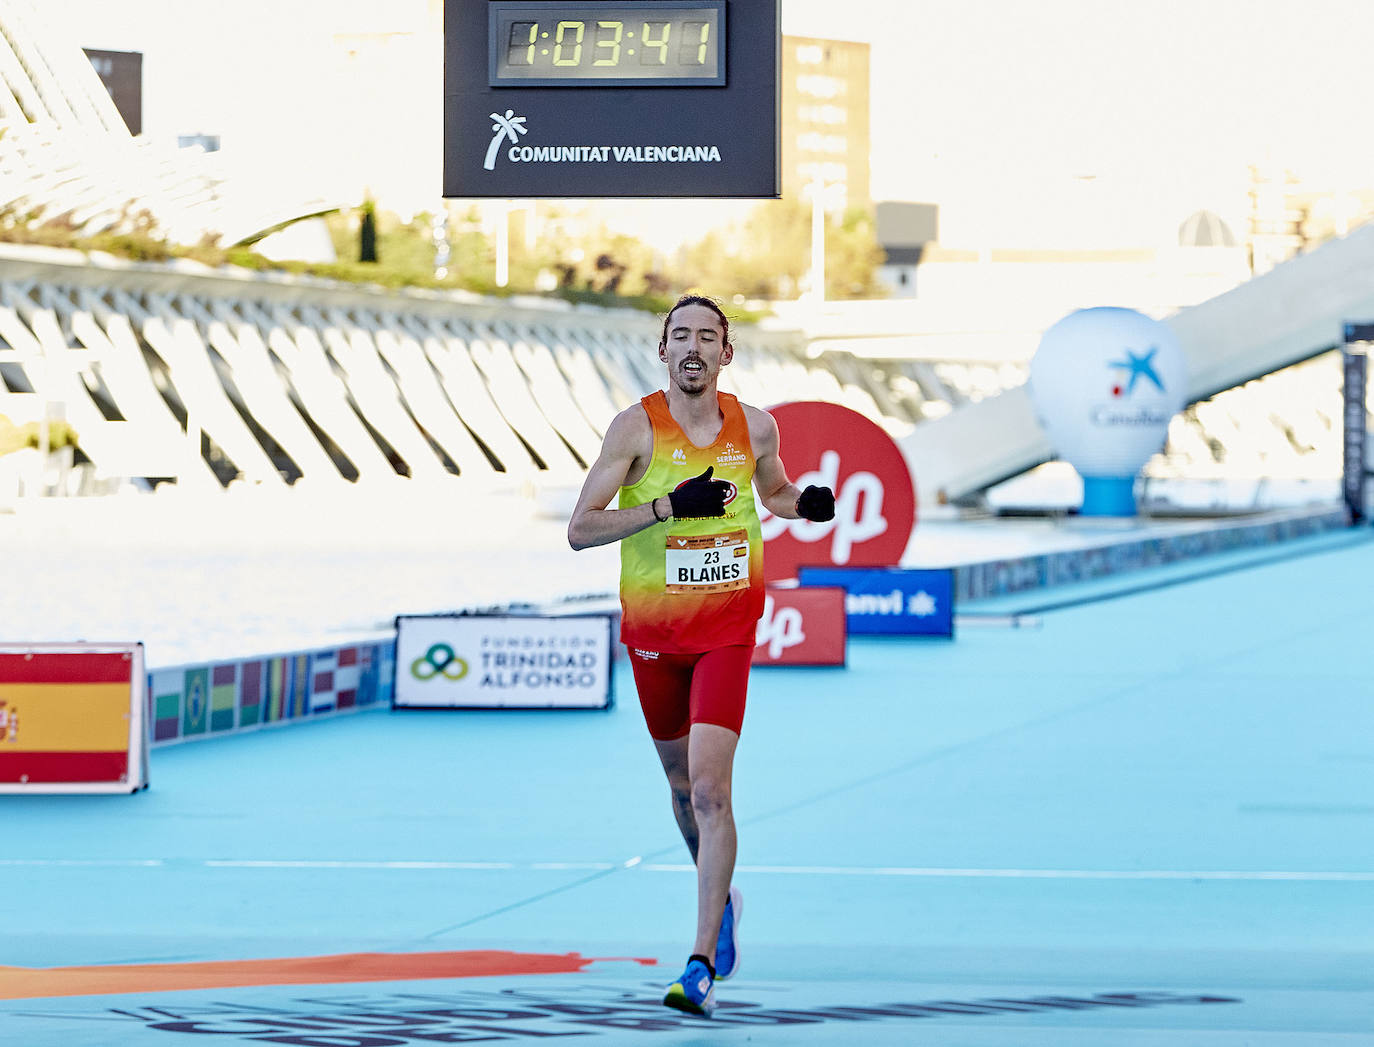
(696, 349)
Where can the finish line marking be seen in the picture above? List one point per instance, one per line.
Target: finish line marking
(19, 983)
(760, 870)
(1033, 874)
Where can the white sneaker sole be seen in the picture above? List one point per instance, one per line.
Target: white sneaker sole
(678, 1001)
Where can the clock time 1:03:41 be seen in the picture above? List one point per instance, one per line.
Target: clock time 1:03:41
(663, 45)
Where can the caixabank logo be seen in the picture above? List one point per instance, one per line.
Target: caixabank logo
(1135, 367)
(1105, 383)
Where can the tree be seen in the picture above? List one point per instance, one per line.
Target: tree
(852, 256)
(769, 254)
(367, 234)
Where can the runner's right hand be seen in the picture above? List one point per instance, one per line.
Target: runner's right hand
(700, 496)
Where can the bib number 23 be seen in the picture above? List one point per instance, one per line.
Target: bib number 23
(707, 563)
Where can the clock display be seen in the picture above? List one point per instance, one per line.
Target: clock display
(545, 43)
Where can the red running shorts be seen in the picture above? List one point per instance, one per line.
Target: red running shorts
(678, 690)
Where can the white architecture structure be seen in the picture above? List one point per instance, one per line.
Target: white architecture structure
(189, 373)
(66, 156)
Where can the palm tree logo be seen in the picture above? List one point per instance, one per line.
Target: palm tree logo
(506, 127)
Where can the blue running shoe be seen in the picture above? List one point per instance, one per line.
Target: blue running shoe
(727, 944)
(694, 992)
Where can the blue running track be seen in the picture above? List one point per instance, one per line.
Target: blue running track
(1147, 821)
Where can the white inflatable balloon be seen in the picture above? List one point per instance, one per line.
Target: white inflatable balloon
(1104, 383)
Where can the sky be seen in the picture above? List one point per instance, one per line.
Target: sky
(1104, 86)
(1016, 106)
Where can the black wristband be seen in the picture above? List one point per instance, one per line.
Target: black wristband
(653, 508)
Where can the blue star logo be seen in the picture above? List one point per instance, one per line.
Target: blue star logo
(1141, 366)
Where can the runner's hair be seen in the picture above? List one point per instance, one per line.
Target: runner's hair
(698, 299)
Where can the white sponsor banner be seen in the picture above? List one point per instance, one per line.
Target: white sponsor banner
(503, 662)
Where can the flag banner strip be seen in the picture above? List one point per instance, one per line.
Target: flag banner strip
(167, 706)
(220, 698)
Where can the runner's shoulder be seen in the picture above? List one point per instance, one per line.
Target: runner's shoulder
(630, 432)
(763, 428)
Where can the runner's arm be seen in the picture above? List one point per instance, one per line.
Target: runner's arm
(777, 493)
(628, 439)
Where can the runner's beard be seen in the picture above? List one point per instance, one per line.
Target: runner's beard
(688, 383)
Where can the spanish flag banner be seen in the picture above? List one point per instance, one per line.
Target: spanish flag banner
(72, 718)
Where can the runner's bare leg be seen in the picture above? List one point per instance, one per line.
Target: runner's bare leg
(673, 755)
(710, 758)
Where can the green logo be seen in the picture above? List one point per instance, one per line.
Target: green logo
(439, 659)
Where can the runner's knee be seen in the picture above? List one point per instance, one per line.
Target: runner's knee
(710, 795)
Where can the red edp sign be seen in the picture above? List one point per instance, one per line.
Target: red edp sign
(802, 627)
(875, 500)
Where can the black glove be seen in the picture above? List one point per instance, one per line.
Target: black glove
(816, 503)
(700, 496)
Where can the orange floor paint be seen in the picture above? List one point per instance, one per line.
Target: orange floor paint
(20, 983)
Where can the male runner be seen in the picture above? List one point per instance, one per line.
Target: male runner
(686, 462)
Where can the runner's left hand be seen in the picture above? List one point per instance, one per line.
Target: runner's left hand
(817, 504)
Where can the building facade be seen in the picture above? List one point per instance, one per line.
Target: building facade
(825, 121)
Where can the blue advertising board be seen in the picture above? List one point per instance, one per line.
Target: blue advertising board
(896, 601)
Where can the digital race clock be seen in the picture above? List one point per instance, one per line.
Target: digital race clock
(548, 43)
(611, 99)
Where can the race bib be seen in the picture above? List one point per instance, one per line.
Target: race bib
(707, 563)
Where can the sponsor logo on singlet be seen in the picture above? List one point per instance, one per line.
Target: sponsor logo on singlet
(732, 455)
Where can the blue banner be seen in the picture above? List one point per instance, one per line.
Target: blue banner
(892, 600)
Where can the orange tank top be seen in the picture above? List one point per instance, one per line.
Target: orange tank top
(693, 585)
